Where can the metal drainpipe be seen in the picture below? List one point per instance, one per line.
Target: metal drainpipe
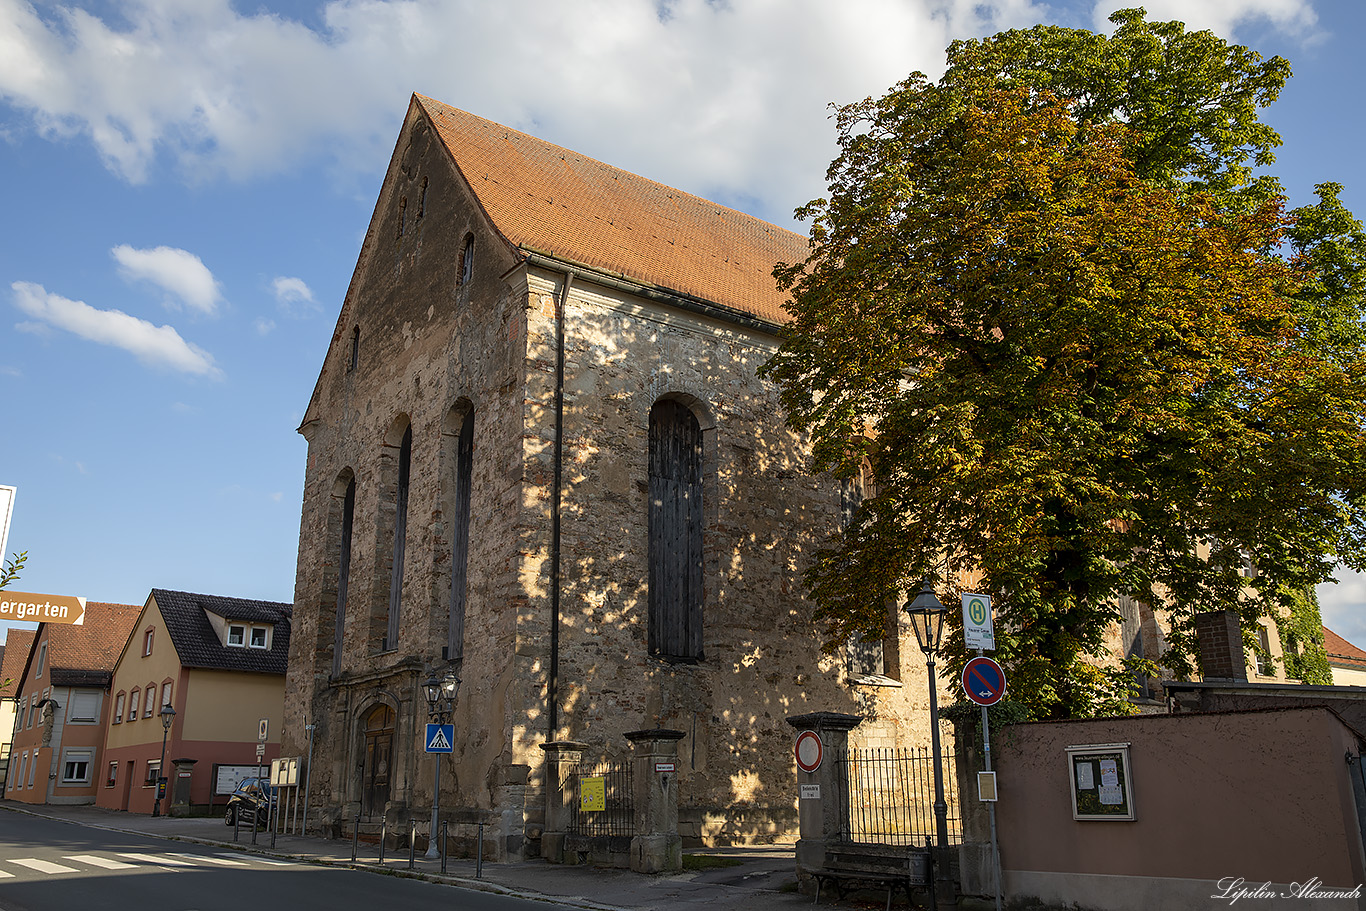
(553, 686)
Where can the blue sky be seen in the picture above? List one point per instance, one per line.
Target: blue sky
(185, 185)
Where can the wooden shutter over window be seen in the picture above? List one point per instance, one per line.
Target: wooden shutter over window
(675, 532)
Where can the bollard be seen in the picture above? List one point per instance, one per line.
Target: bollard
(355, 838)
(383, 837)
(412, 844)
(443, 846)
(479, 855)
(275, 824)
(236, 822)
(255, 824)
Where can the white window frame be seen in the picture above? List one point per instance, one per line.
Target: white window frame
(42, 660)
(165, 694)
(147, 642)
(18, 782)
(265, 637)
(134, 704)
(33, 767)
(113, 777)
(75, 754)
(148, 709)
(240, 630)
(72, 702)
(153, 773)
(120, 701)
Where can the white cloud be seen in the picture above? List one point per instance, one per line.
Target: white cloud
(1223, 17)
(294, 296)
(159, 346)
(178, 272)
(1343, 606)
(263, 326)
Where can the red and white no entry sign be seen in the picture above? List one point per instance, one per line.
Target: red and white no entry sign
(809, 751)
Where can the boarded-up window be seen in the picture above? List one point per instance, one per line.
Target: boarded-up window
(675, 532)
(405, 456)
(460, 537)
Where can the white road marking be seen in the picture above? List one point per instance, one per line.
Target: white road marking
(252, 858)
(157, 859)
(42, 866)
(107, 863)
(209, 859)
(5, 874)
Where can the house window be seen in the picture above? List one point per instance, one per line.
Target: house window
(153, 772)
(42, 660)
(119, 701)
(166, 694)
(147, 643)
(237, 635)
(23, 765)
(32, 768)
(467, 261)
(258, 637)
(76, 766)
(83, 707)
(675, 533)
(1266, 667)
(149, 708)
(133, 704)
(32, 709)
(113, 776)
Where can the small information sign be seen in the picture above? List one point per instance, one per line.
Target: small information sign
(978, 631)
(811, 792)
(1101, 787)
(593, 793)
(986, 786)
(664, 766)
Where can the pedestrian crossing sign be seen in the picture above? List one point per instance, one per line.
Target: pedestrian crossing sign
(440, 738)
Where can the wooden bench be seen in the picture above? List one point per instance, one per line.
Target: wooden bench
(854, 866)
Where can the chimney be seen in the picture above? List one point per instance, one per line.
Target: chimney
(1220, 635)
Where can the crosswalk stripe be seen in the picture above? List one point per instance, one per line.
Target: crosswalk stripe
(210, 859)
(260, 860)
(42, 866)
(5, 874)
(158, 859)
(107, 863)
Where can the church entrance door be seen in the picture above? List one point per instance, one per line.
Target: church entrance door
(379, 757)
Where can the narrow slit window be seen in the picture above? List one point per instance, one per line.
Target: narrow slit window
(467, 261)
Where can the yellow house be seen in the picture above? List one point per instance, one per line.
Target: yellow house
(199, 677)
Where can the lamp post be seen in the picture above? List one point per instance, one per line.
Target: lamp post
(927, 619)
(440, 698)
(167, 718)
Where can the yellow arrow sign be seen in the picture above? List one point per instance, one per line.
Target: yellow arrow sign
(42, 608)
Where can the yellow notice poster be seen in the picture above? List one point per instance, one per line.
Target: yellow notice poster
(593, 793)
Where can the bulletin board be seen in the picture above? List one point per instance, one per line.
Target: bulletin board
(1102, 784)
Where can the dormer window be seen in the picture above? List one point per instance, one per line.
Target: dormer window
(237, 635)
(243, 635)
(258, 637)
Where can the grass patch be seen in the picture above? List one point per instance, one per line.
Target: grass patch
(695, 862)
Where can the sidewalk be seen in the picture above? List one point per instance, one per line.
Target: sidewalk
(763, 881)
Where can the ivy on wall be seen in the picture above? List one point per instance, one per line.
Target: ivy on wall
(1302, 639)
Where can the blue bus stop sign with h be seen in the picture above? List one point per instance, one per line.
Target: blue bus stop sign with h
(440, 738)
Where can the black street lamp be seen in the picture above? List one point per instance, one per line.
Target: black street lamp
(440, 699)
(927, 619)
(167, 717)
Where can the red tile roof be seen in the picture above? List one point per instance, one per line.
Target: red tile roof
(17, 645)
(96, 644)
(1341, 652)
(547, 199)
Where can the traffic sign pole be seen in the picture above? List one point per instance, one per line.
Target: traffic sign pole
(991, 806)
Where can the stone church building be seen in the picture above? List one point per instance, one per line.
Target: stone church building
(539, 455)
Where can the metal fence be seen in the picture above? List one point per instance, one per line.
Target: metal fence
(617, 817)
(891, 796)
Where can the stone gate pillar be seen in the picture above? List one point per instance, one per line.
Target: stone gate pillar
(821, 792)
(657, 846)
(561, 760)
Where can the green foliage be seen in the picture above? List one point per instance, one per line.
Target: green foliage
(1046, 303)
(12, 568)
(1301, 634)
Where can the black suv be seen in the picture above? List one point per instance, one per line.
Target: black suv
(253, 795)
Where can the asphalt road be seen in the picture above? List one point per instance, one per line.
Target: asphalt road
(50, 865)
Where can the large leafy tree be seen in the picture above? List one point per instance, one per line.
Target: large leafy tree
(1085, 352)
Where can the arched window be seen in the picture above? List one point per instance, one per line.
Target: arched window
(348, 516)
(467, 260)
(458, 504)
(675, 529)
(405, 456)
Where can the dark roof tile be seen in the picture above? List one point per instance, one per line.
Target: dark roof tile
(198, 646)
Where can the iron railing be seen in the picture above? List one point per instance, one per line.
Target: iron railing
(890, 796)
(618, 815)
